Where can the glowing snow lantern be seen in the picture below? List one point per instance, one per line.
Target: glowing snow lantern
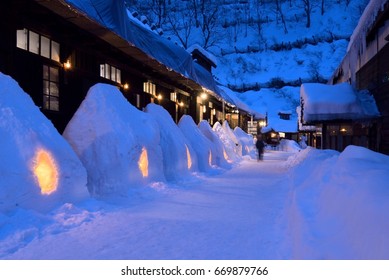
(143, 163)
(188, 157)
(225, 154)
(46, 172)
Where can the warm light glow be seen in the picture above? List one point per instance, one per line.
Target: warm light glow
(46, 172)
(203, 96)
(159, 97)
(262, 123)
(181, 104)
(188, 157)
(343, 130)
(67, 65)
(210, 158)
(126, 86)
(143, 163)
(225, 154)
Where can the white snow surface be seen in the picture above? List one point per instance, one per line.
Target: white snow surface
(340, 101)
(179, 158)
(24, 131)
(315, 204)
(105, 134)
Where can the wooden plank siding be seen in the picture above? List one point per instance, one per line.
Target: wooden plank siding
(374, 76)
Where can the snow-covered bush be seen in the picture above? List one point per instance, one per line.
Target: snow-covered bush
(38, 168)
(117, 143)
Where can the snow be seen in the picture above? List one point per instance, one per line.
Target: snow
(365, 22)
(25, 133)
(179, 158)
(218, 150)
(207, 54)
(105, 134)
(295, 204)
(200, 144)
(331, 102)
(314, 204)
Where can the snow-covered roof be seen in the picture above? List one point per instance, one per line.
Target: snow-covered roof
(113, 15)
(205, 53)
(366, 21)
(228, 93)
(336, 102)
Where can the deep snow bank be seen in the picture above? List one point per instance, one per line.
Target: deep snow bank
(339, 204)
(38, 168)
(117, 143)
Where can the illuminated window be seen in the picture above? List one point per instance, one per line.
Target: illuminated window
(173, 96)
(149, 87)
(111, 73)
(33, 42)
(22, 39)
(37, 44)
(50, 88)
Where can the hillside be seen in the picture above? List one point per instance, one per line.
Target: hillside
(261, 43)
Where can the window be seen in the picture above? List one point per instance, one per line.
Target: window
(111, 73)
(149, 87)
(50, 88)
(22, 39)
(173, 96)
(138, 100)
(33, 42)
(37, 44)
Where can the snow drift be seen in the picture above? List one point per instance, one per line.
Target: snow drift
(179, 159)
(231, 145)
(38, 168)
(246, 141)
(200, 144)
(219, 156)
(117, 143)
(339, 206)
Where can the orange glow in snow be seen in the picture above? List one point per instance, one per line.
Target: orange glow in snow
(210, 158)
(189, 158)
(225, 154)
(46, 172)
(143, 163)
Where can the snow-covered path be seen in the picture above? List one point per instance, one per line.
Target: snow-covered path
(236, 214)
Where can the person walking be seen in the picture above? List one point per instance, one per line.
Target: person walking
(260, 146)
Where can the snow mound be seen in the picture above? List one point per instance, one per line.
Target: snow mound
(117, 143)
(38, 168)
(231, 144)
(340, 202)
(219, 157)
(287, 145)
(246, 141)
(179, 158)
(200, 144)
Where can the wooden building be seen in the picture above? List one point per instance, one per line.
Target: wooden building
(366, 66)
(337, 116)
(56, 51)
